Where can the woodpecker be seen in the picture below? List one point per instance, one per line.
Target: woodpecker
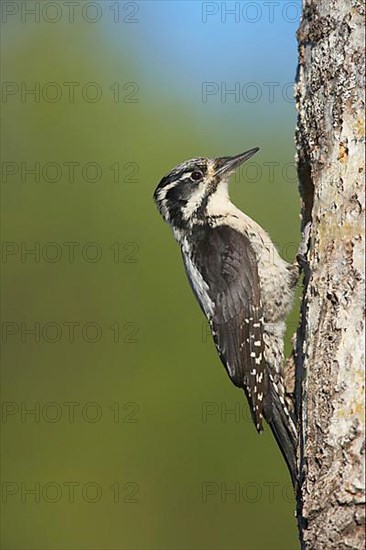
(243, 286)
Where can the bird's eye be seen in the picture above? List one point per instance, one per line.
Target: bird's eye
(196, 175)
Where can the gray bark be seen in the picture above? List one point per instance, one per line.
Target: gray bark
(330, 342)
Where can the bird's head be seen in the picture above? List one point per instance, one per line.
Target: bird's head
(183, 195)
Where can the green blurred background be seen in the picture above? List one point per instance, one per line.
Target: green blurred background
(131, 403)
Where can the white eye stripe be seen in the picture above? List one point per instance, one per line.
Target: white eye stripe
(185, 176)
(161, 194)
(188, 176)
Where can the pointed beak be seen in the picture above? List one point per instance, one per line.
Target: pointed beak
(225, 165)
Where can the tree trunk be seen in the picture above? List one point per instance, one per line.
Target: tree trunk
(330, 341)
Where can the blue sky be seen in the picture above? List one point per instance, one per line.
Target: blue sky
(180, 44)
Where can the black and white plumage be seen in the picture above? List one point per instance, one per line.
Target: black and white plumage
(230, 298)
(242, 285)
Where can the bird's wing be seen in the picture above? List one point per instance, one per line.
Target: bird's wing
(222, 270)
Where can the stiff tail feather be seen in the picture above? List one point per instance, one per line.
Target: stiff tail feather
(283, 428)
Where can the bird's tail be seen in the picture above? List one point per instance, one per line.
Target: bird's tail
(283, 428)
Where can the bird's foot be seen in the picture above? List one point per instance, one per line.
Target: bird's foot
(302, 252)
